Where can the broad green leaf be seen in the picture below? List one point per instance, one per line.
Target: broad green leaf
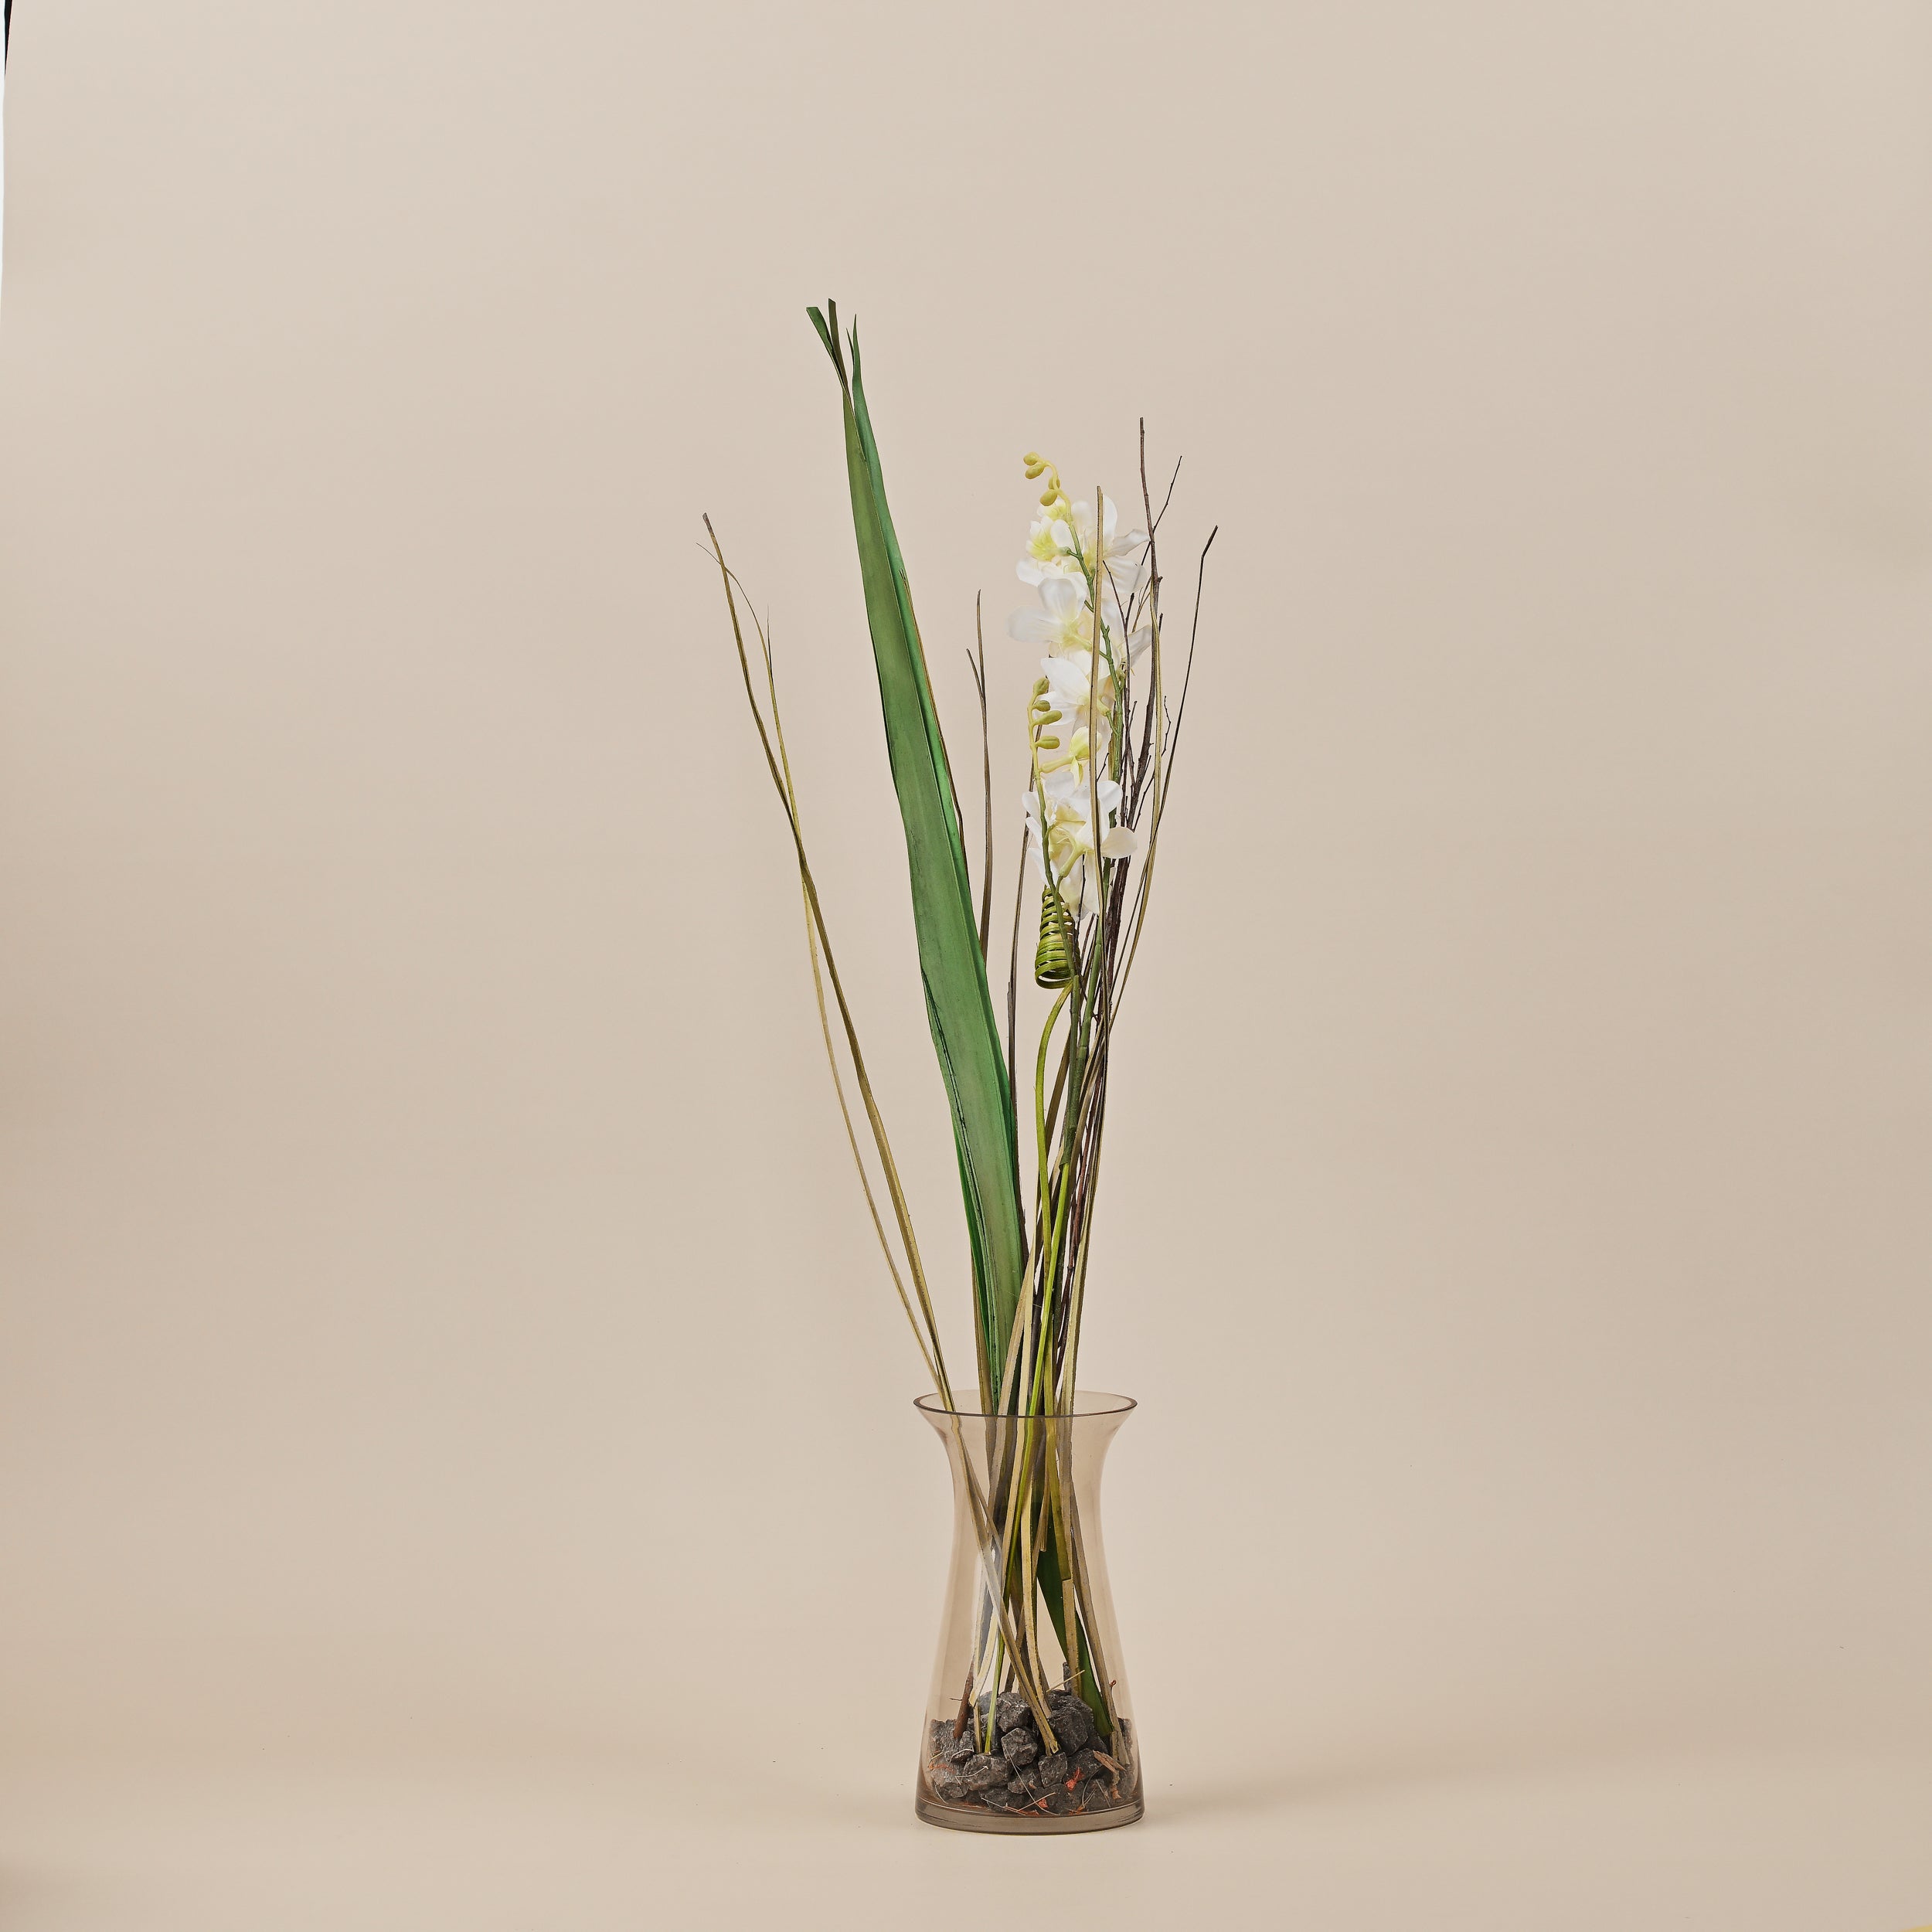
(959, 1005)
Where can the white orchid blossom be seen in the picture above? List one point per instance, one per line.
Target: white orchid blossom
(1067, 850)
(1061, 544)
(1063, 623)
(1070, 685)
(1069, 554)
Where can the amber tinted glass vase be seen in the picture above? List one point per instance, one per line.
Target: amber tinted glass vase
(1029, 1729)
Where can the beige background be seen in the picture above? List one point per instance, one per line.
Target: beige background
(456, 1461)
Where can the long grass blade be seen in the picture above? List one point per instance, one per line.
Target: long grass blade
(959, 1005)
(986, 792)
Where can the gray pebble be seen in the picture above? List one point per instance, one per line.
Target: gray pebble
(981, 1772)
(1020, 1747)
(1010, 1713)
(1072, 1723)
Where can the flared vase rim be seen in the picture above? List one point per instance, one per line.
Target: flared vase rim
(1089, 1405)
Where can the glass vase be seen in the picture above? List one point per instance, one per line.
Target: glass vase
(1028, 1728)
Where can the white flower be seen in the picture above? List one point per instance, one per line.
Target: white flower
(1072, 811)
(1050, 551)
(1069, 683)
(1058, 548)
(1063, 549)
(1065, 623)
(1070, 792)
(1065, 855)
(1076, 722)
(1120, 564)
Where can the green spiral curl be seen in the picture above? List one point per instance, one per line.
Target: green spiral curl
(1057, 959)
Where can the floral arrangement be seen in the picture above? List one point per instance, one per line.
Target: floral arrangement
(1101, 726)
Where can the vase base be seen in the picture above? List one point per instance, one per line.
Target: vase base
(955, 1817)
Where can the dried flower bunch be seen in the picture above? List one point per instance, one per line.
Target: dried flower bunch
(1102, 725)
